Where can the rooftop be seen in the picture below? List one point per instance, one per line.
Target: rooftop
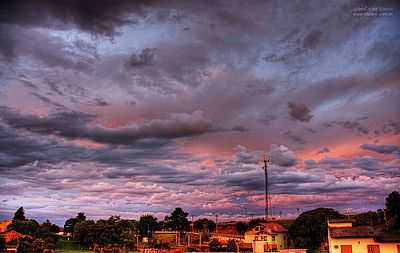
(352, 232)
(268, 228)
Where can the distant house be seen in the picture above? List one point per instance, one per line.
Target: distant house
(170, 237)
(269, 236)
(3, 225)
(344, 238)
(11, 237)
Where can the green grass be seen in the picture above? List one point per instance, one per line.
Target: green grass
(74, 251)
(69, 247)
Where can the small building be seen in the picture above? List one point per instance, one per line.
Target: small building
(170, 237)
(343, 237)
(269, 236)
(12, 239)
(3, 225)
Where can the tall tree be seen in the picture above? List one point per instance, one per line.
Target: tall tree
(147, 224)
(70, 223)
(81, 217)
(19, 215)
(393, 206)
(204, 225)
(310, 228)
(26, 227)
(177, 220)
(241, 227)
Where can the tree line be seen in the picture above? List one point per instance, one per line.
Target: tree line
(309, 230)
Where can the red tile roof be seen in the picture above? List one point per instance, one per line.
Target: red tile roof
(3, 225)
(352, 232)
(268, 228)
(13, 235)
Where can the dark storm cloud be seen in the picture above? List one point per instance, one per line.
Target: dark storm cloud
(24, 157)
(157, 174)
(289, 181)
(323, 150)
(300, 112)
(75, 125)
(48, 101)
(367, 163)
(18, 150)
(354, 126)
(391, 127)
(209, 57)
(145, 58)
(100, 17)
(295, 138)
(382, 148)
(333, 163)
(312, 39)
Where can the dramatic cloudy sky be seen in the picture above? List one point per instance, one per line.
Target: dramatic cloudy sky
(131, 107)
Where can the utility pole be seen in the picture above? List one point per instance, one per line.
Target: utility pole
(267, 200)
(216, 223)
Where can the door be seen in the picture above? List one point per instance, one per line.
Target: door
(346, 249)
(373, 249)
(398, 248)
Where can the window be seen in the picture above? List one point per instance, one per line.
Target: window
(273, 238)
(346, 249)
(256, 238)
(373, 249)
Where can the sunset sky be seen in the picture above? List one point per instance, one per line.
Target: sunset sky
(131, 107)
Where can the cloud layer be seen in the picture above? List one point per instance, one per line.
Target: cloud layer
(133, 107)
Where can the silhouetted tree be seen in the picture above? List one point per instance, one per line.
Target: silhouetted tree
(177, 220)
(48, 233)
(241, 227)
(26, 227)
(393, 207)
(204, 224)
(255, 222)
(70, 223)
(310, 228)
(147, 224)
(19, 215)
(365, 219)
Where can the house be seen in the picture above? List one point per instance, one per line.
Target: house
(343, 237)
(3, 225)
(269, 236)
(12, 235)
(12, 239)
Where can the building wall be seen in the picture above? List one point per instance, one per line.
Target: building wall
(280, 239)
(359, 245)
(171, 238)
(341, 225)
